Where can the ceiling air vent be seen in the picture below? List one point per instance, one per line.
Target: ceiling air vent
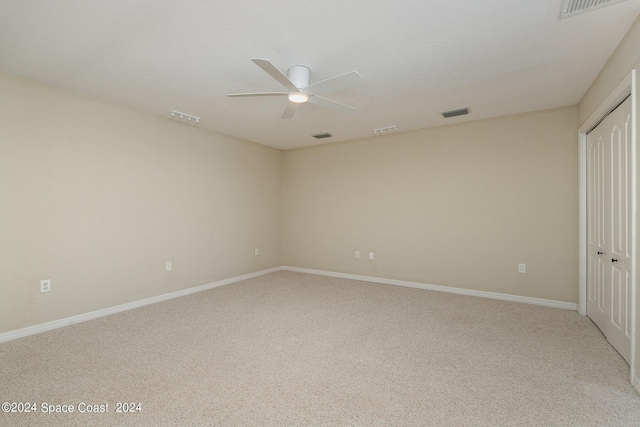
(322, 135)
(576, 7)
(454, 113)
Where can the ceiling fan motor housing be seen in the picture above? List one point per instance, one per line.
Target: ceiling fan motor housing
(299, 76)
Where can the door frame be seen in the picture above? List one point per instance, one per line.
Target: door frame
(625, 88)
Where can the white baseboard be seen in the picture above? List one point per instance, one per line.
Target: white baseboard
(55, 324)
(460, 291)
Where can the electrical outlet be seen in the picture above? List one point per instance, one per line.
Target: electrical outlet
(257, 251)
(370, 255)
(45, 285)
(357, 254)
(168, 266)
(522, 268)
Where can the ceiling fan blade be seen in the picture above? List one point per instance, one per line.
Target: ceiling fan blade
(290, 110)
(328, 103)
(338, 82)
(270, 69)
(237, 95)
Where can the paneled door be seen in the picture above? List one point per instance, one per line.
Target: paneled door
(609, 219)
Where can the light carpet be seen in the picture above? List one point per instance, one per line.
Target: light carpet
(297, 349)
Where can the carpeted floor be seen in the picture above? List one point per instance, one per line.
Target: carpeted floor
(296, 349)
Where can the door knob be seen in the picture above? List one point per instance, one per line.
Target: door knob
(600, 253)
(614, 260)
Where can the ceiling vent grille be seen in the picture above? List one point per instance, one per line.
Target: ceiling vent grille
(454, 113)
(576, 7)
(322, 135)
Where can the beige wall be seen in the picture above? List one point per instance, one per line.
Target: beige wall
(456, 206)
(625, 58)
(98, 197)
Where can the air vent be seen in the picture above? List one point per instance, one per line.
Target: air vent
(322, 135)
(388, 129)
(185, 117)
(576, 7)
(454, 113)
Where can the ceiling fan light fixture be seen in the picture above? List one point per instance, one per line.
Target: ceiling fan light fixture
(298, 97)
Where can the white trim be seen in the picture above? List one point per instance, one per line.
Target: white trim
(634, 223)
(55, 324)
(635, 381)
(613, 100)
(438, 288)
(625, 87)
(582, 223)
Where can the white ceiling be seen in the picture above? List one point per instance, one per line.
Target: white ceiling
(418, 58)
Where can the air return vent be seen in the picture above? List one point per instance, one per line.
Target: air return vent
(576, 7)
(454, 113)
(322, 135)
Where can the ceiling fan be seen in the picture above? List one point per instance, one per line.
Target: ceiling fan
(300, 91)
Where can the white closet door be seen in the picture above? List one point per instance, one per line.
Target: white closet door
(609, 227)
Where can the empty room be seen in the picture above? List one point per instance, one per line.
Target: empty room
(355, 213)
